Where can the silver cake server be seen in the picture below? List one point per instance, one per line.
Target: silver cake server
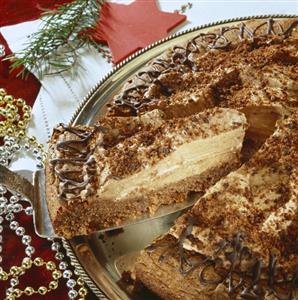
(33, 188)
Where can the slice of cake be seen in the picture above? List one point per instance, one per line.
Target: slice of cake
(240, 239)
(98, 177)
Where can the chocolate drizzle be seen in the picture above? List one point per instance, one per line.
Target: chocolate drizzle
(236, 266)
(77, 171)
(134, 97)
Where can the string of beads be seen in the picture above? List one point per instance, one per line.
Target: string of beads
(15, 116)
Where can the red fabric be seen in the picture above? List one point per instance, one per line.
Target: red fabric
(18, 87)
(128, 28)
(18, 11)
(13, 12)
(13, 252)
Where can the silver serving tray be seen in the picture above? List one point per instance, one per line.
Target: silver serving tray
(101, 257)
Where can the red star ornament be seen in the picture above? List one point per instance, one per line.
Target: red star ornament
(128, 28)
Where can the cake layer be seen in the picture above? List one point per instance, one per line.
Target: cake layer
(239, 241)
(96, 182)
(174, 151)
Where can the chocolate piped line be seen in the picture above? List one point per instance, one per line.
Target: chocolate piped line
(71, 186)
(183, 259)
(80, 160)
(67, 146)
(76, 131)
(202, 276)
(77, 161)
(244, 29)
(289, 30)
(165, 90)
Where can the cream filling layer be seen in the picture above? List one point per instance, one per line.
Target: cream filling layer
(187, 160)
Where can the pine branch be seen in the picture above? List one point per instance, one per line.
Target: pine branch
(54, 48)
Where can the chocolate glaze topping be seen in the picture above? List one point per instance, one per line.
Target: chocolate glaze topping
(73, 179)
(236, 266)
(133, 96)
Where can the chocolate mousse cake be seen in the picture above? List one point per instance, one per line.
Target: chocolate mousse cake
(179, 125)
(240, 239)
(123, 168)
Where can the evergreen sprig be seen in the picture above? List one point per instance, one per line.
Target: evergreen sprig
(54, 47)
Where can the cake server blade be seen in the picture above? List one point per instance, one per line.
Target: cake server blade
(31, 186)
(35, 193)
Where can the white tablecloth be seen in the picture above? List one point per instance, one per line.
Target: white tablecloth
(61, 94)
